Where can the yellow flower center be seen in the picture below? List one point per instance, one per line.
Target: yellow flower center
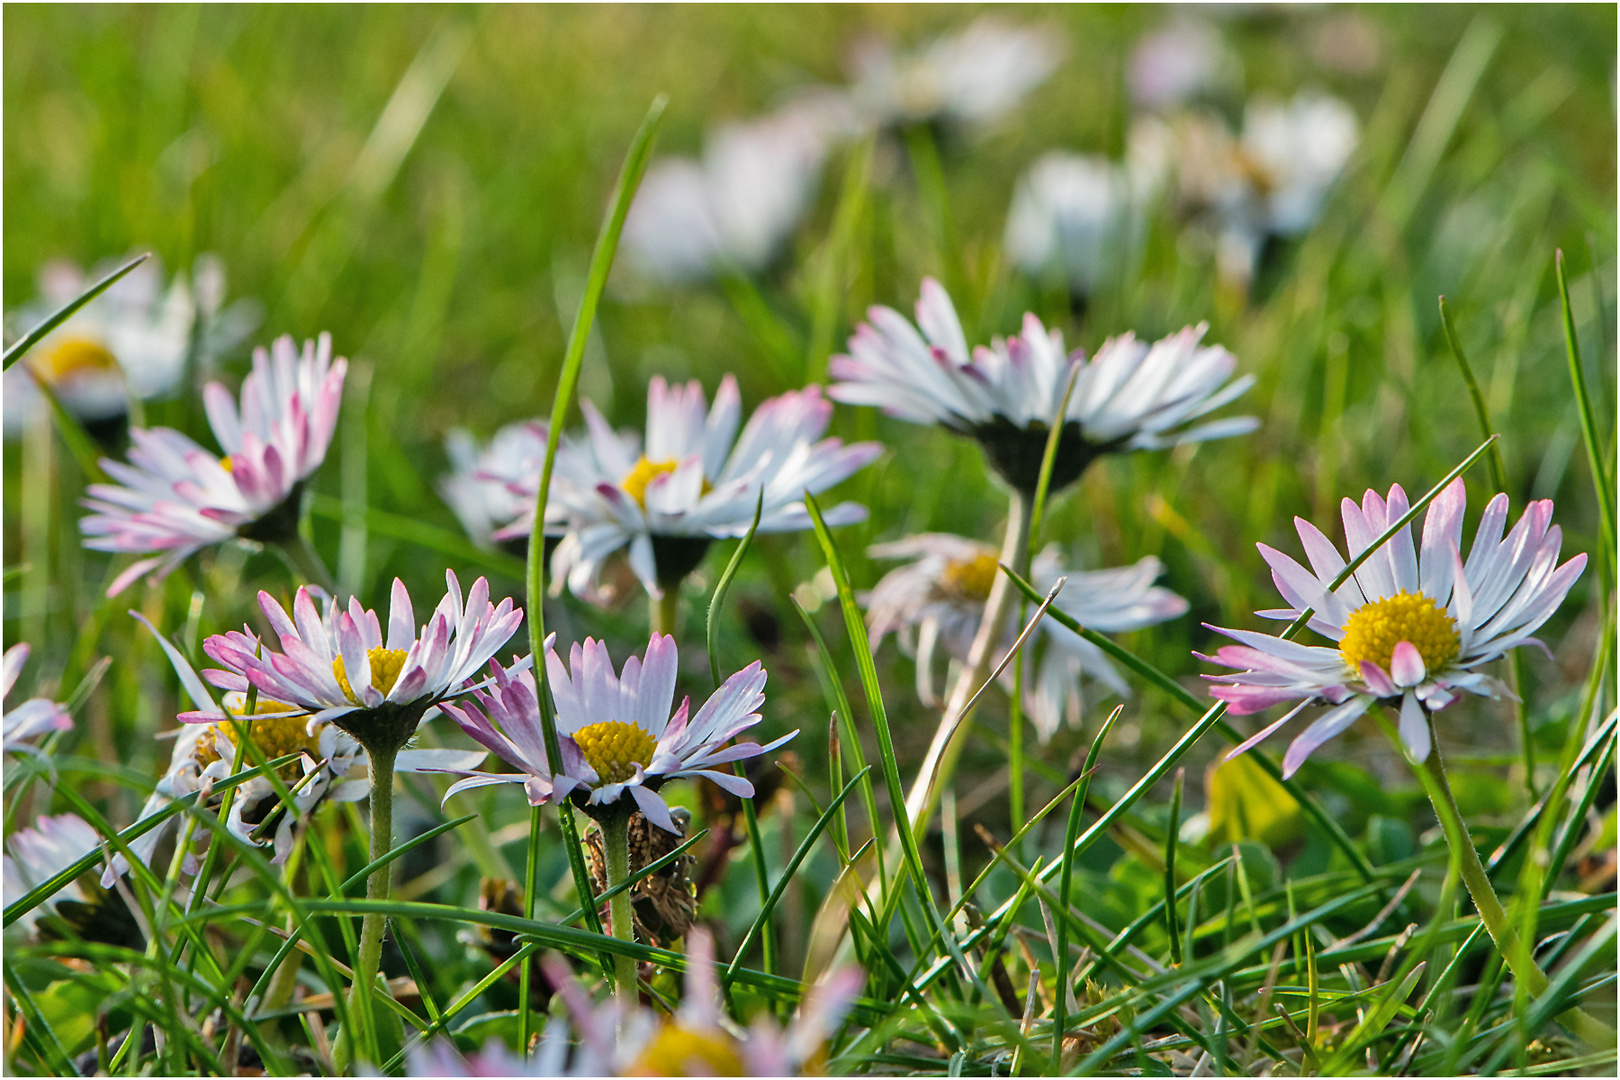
(74, 355)
(228, 463)
(614, 748)
(275, 735)
(385, 668)
(645, 472)
(971, 578)
(1373, 631)
(675, 1050)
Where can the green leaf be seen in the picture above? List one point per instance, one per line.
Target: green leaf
(63, 313)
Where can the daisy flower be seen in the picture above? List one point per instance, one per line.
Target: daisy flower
(1179, 62)
(484, 487)
(332, 765)
(341, 669)
(694, 480)
(175, 498)
(936, 603)
(972, 77)
(34, 856)
(698, 1039)
(1412, 628)
(1130, 396)
(36, 716)
(620, 742)
(736, 207)
(1073, 215)
(131, 341)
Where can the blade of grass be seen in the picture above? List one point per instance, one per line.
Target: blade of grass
(63, 313)
(1589, 427)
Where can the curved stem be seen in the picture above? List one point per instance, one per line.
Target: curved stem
(305, 563)
(661, 610)
(1519, 959)
(946, 749)
(382, 841)
(616, 854)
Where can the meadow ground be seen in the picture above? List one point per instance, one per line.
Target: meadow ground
(430, 186)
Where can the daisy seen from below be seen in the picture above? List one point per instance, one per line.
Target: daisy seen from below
(174, 498)
(35, 855)
(132, 341)
(1130, 396)
(32, 718)
(1413, 627)
(937, 601)
(694, 480)
(620, 738)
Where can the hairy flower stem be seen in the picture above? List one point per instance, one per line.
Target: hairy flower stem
(946, 749)
(661, 610)
(616, 854)
(382, 840)
(1519, 959)
(305, 563)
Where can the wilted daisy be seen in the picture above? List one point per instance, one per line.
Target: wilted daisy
(34, 856)
(691, 483)
(1413, 627)
(485, 483)
(34, 717)
(734, 209)
(971, 77)
(1073, 215)
(1131, 396)
(936, 602)
(131, 341)
(620, 740)
(699, 1039)
(175, 498)
(341, 669)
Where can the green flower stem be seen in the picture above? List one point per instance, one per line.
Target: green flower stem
(946, 749)
(661, 610)
(616, 853)
(1519, 960)
(305, 563)
(382, 840)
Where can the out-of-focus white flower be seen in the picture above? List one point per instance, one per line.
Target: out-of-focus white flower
(936, 602)
(734, 209)
(1413, 626)
(1180, 62)
(1074, 215)
(486, 483)
(690, 483)
(131, 341)
(177, 498)
(36, 716)
(971, 77)
(36, 855)
(1131, 396)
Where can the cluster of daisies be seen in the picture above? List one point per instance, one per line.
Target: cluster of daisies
(337, 692)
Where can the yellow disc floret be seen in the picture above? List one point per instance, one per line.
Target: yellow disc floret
(614, 748)
(71, 356)
(274, 735)
(645, 472)
(385, 668)
(680, 1051)
(971, 578)
(1373, 631)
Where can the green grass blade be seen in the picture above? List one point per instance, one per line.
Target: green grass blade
(1589, 426)
(63, 313)
(723, 586)
(359, 876)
